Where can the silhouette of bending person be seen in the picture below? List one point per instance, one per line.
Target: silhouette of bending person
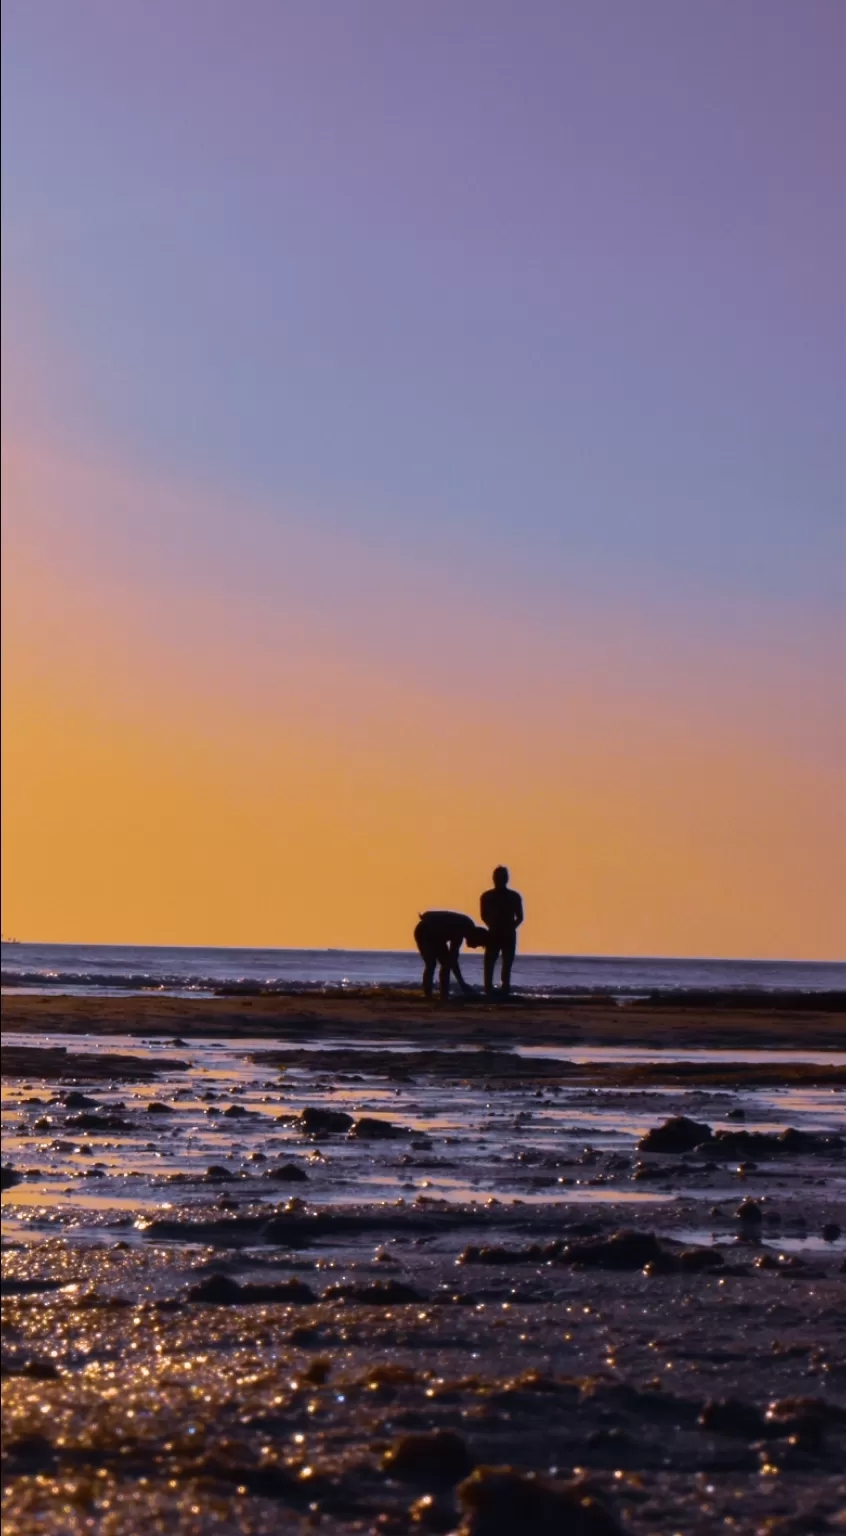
(502, 910)
(439, 937)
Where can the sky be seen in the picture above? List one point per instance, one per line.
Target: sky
(423, 448)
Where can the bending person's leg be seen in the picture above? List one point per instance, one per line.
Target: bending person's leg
(445, 963)
(456, 970)
(429, 956)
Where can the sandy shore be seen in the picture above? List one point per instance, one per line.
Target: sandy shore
(230, 1305)
(395, 1016)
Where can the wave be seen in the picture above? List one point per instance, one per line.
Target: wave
(182, 983)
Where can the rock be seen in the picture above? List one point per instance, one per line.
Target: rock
(692, 1260)
(429, 1513)
(802, 1417)
(740, 1144)
(9, 1176)
(369, 1129)
(160, 1109)
(221, 1291)
(235, 1112)
(36, 1370)
(679, 1134)
(499, 1501)
(76, 1100)
(730, 1416)
(380, 1293)
(318, 1120)
(28, 1454)
(287, 1173)
(217, 1174)
(533, 1254)
(749, 1213)
(438, 1459)
(655, 1171)
(88, 1121)
(624, 1250)
(831, 1231)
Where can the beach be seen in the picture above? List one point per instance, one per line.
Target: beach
(282, 1263)
(695, 1021)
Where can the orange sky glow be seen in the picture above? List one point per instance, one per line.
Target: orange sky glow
(185, 764)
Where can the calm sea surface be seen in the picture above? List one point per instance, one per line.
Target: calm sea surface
(102, 968)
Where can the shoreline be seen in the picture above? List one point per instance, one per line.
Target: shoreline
(700, 1023)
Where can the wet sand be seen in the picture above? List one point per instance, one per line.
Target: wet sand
(251, 1284)
(391, 1014)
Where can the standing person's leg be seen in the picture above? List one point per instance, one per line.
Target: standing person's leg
(509, 949)
(429, 955)
(491, 953)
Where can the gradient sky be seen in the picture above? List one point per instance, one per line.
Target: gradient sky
(423, 448)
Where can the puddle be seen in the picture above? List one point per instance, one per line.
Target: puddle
(560, 1144)
(700, 1236)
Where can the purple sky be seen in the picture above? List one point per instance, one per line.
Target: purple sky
(499, 346)
(558, 292)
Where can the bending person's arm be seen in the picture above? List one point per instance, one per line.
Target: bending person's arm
(454, 948)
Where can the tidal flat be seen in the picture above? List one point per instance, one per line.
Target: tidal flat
(265, 1272)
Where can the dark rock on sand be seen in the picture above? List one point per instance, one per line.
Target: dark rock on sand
(221, 1291)
(749, 1213)
(693, 1260)
(533, 1254)
(804, 1417)
(369, 1129)
(269, 1482)
(236, 1112)
(679, 1134)
(9, 1176)
(382, 1293)
(767, 1144)
(439, 1459)
(499, 1501)
(624, 1250)
(831, 1231)
(35, 1370)
(28, 1454)
(318, 1120)
(29, 1287)
(76, 1100)
(217, 1174)
(731, 1416)
(287, 1173)
(160, 1109)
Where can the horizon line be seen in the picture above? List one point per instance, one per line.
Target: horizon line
(340, 949)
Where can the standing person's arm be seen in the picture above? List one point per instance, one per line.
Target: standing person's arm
(518, 909)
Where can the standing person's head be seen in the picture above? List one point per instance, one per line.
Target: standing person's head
(500, 877)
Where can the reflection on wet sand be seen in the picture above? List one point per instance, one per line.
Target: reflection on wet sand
(251, 1282)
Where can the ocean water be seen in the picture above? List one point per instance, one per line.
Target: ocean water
(103, 968)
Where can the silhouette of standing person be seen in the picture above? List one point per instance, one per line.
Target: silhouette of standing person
(502, 911)
(439, 937)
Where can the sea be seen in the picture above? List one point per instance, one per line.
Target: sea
(101, 969)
